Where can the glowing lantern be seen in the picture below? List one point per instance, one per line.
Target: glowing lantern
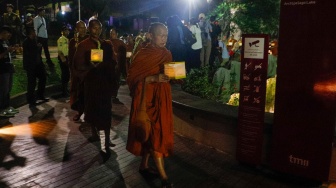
(97, 54)
(175, 70)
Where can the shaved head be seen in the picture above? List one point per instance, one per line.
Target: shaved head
(155, 27)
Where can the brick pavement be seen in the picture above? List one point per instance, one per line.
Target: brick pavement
(42, 147)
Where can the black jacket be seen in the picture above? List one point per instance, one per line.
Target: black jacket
(6, 66)
(31, 54)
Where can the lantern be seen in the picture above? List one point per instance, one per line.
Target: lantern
(175, 70)
(96, 55)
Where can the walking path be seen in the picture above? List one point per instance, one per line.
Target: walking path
(42, 147)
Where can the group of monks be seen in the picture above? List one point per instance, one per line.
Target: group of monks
(94, 84)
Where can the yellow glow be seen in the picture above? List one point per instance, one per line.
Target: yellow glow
(23, 129)
(96, 55)
(175, 70)
(326, 89)
(36, 129)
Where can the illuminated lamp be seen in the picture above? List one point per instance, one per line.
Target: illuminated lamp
(175, 70)
(97, 54)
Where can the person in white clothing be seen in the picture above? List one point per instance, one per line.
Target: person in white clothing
(206, 30)
(40, 27)
(194, 60)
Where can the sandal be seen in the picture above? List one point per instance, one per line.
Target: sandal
(77, 117)
(149, 173)
(166, 184)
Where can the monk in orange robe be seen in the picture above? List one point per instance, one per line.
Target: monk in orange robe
(97, 78)
(147, 68)
(76, 91)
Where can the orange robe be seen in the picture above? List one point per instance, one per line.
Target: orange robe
(97, 82)
(149, 61)
(74, 81)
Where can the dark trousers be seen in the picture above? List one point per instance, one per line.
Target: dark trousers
(38, 73)
(65, 71)
(44, 43)
(65, 75)
(6, 83)
(193, 60)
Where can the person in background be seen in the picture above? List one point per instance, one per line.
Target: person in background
(206, 30)
(76, 88)
(14, 22)
(140, 37)
(129, 49)
(175, 41)
(146, 77)
(225, 57)
(34, 67)
(6, 73)
(194, 60)
(216, 31)
(63, 52)
(119, 48)
(141, 44)
(28, 23)
(97, 78)
(40, 27)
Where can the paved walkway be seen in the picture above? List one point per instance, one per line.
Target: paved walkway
(42, 147)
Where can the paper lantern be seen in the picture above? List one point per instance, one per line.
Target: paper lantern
(96, 55)
(175, 70)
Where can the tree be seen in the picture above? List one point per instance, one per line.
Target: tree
(257, 16)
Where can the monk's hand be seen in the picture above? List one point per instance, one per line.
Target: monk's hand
(162, 78)
(157, 78)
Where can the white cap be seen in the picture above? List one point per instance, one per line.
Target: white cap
(202, 15)
(29, 14)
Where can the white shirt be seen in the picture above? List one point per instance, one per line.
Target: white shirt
(40, 27)
(197, 32)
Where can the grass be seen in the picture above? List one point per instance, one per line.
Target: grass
(20, 76)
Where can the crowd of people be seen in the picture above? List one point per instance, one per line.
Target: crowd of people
(95, 67)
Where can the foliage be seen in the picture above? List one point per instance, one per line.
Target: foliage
(20, 77)
(223, 14)
(198, 83)
(270, 96)
(227, 92)
(258, 16)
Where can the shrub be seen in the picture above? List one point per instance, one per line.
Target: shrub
(198, 82)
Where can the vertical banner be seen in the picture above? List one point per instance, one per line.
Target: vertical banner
(304, 118)
(252, 98)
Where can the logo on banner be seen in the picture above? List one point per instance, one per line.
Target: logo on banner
(298, 161)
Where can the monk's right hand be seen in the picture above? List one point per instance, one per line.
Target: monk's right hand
(162, 78)
(157, 78)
